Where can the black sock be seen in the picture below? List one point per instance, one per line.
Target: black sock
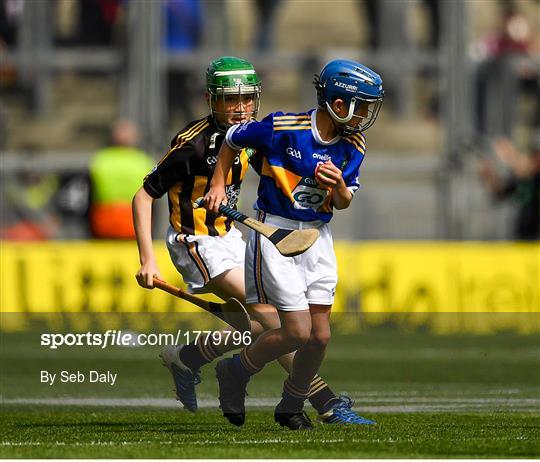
(244, 366)
(291, 404)
(319, 394)
(293, 397)
(196, 355)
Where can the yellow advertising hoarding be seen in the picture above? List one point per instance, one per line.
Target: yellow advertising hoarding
(384, 281)
(420, 279)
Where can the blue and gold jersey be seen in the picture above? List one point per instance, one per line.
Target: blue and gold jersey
(291, 148)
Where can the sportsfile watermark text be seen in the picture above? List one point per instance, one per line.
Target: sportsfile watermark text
(119, 338)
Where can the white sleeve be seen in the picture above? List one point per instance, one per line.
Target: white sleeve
(228, 138)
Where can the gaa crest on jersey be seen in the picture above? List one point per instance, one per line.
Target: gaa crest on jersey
(307, 195)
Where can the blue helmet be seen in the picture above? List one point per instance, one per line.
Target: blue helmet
(356, 85)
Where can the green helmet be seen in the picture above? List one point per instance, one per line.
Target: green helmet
(228, 77)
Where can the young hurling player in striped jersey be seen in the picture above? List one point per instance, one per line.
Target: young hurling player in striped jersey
(310, 165)
(205, 247)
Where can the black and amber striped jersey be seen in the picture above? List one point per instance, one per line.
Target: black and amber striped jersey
(184, 173)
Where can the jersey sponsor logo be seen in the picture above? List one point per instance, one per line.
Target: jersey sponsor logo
(307, 196)
(346, 86)
(232, 192)
(323, 157)
(294, 152)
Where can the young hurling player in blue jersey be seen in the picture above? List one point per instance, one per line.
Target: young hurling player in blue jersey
(310, 166)
(206, 249)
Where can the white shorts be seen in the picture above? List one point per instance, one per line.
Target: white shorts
(201, 258)
(290, 283)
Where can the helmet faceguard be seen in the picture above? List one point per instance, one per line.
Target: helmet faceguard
(357, 86)
(230, 80)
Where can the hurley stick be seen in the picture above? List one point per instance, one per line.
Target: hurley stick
(289, 242)
(232, 311)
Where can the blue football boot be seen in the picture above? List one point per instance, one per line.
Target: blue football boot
(339, 411)
(184, 378)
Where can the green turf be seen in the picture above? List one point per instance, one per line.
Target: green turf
(432, 396)
(149, 433)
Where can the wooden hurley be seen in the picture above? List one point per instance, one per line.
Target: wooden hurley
(289, 242)
(231, 312)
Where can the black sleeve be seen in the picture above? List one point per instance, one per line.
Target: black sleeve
(173, 168)
(256, 161)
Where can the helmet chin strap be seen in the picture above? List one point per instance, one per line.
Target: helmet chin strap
(340, 123)
(342, 120)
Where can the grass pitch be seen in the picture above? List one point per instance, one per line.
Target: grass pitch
(432, 396)
(150, 433)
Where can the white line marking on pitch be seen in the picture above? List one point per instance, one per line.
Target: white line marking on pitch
(194, 443)
(384, 405)
(218, 442)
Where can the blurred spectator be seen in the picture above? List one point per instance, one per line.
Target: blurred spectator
(384, 22)
(501, 71)
(433, 12)
(266, 24)
(97, 21)
(430, 74)
(116, 173)
(10, 16)
(72, 204)
(184, 26)
(38, 205)
(27, 210)
(372, 22)
(184, 23)
(386, 37)
(522, 185)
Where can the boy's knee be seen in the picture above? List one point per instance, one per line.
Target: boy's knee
(297, 337)
(320, 339)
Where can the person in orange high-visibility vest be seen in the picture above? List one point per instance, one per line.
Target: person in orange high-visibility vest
(116, 173)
